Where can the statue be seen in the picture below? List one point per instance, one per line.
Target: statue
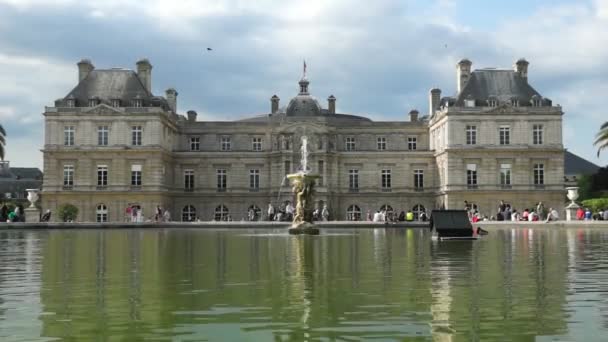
(303, 183)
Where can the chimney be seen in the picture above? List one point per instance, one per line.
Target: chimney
(331, 104)
(192, 116)
(144, 71)
(463, 73)
(434, 99)
(84, 69)
(274, 104)
(413, 115)
(171, 95)
(521, 67)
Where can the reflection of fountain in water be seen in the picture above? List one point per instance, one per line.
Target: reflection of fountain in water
(304, 155)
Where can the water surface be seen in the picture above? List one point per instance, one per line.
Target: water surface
(262, 285)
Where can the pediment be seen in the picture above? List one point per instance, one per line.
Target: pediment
(505, 108)
(103, 109)
(303, 128)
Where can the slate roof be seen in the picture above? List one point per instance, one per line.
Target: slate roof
(503, 85)
(15, 180)
(109, 84)
(575, 165)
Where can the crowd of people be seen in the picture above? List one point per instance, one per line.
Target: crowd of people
(135, 213)
(286, 211)
(14, 214)
(506, 212)
(585, 214)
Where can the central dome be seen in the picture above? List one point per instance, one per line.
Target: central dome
(303, 104)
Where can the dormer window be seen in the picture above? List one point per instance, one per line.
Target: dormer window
(115, 102)
(71, 103)
(138, 102)
(492, 102)
(469, 102)
(536, 101)
(94, 101)
(515, 102)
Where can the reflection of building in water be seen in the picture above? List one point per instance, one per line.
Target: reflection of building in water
(441, 299)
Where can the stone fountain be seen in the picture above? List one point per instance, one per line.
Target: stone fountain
(303, 184)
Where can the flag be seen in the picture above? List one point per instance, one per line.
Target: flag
(304, 67)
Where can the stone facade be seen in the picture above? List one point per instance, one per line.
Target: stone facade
(110, 144)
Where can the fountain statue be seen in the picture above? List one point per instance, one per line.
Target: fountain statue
(303, 184)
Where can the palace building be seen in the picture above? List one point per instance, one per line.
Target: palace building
(110, 144)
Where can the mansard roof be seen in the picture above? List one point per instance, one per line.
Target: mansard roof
(503, 85)
(113, 84)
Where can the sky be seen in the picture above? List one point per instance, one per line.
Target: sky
(378, 58)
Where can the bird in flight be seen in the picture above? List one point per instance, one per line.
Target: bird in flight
(209, 49)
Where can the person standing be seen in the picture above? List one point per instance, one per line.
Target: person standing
(540, 211)
(325, 213)
(270, 212)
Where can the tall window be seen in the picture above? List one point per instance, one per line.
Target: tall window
(102, 176)
(320, 170)
(472, 175)
(136, 132)
(101, 213)
(225, 144)
(254, 180)
(537, 134)
(102, 135)
(136, 175)
(504, 135)
(353, 180)
(471, 133)
(539, 174)
(350, 144)
(287, 167)
(68, 176)
(68, 135)
(411, 143)
(256, 144)
(189, 213)
(381, 143)
(419, 179)
(221, 179)
(195, 143)
(221, 213)
(353, 213)
(386, 180)
(505, 175)
(189, 180)
(115, 102)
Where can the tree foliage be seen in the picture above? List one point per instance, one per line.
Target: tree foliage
(601, 140)
(596, 204)
(67, 212)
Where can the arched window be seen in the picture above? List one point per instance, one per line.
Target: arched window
(353, 213)
(101, 213)
(189, 213)
(254, 213)
(221, 213)
(387, 207)
(417, 210)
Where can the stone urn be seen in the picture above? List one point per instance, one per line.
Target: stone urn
(32, 196)
(572, 193)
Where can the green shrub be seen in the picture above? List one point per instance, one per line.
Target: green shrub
(67, 212)
(596, 204)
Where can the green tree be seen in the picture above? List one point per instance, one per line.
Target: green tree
(67, 212)
(601, 140)
(585, 185)
(2, 142)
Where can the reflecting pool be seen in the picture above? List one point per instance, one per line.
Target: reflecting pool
(261, 285)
